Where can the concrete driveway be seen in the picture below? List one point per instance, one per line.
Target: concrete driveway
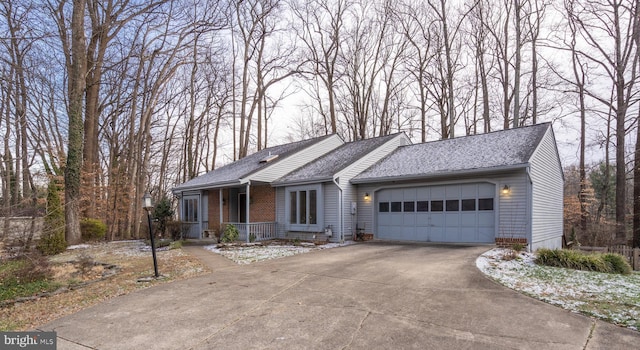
(365, 296)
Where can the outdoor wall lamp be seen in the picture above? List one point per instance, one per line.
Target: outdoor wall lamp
(366, 196)
(147, 204)
(506, 189)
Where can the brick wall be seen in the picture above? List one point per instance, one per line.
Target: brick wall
(262, 204)
(214, 208)
(504, 242)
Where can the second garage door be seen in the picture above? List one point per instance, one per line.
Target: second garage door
(462, 213)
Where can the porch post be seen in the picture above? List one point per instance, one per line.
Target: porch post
(247, 203)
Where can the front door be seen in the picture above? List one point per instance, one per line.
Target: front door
(190, 215)
(242, 207)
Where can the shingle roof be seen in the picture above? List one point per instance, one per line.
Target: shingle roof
(232, 173)
(494, 150)
(325, 167)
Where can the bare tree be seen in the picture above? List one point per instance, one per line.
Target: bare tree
(321, 31)
(608, 30)
(414, 20)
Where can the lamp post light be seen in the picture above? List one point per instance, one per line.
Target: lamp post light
(148, 206)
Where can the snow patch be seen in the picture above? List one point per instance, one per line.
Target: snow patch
(250, 253)
(610, 297)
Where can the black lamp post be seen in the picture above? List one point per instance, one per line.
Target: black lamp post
(148, 206)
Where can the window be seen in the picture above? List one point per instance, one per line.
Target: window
(437, 205)
(485, 204)
(422, 205)
(453, 205)
(396, 207)
(293, 202)
(302, 218)
(383, 207)
(409, 207)
(190, 209)
(468, 205)
(313, 207)
(303, 208)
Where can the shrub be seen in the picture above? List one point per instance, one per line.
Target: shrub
(52, 243)
(162, 213)
(573, 259)
(618, 263)
(230, 234)
(92, 229)
(174, 228)
(518, 247)
(24, 276)
(52, 238)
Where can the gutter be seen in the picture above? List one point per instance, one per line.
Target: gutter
(205, 187)
(302, 182)
(440, 174)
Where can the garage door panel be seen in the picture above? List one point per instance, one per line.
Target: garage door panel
(486, 219)
(422, 219)
(452, 220)
(384, 219)
(469, 191)
(436, 234)
(469, 235)
(468, 219)
(437, 220)
(396, 219)
(485, 234)
(486, 190)
(437, 192)
(409, 220)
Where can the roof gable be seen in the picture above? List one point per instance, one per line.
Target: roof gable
(242, 168)
(494, 150)
(325, 167)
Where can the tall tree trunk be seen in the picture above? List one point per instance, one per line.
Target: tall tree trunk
(636, 189)
(75, 146)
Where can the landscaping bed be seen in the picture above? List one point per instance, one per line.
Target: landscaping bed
(607, 296)
(88, 274)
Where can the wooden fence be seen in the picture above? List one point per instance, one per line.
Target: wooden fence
(632, 254)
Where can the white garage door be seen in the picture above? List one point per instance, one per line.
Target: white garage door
(449, 213)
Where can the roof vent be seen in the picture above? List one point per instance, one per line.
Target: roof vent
(269, 158)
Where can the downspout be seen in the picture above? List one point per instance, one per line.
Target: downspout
(200, 213)
(340, 214)
(248, 206)
(530, 207)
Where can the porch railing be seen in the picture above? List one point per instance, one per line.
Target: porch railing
(261, 231)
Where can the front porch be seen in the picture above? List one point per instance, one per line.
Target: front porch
(248, 232)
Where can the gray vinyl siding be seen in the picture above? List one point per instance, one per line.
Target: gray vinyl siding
(366, 209)
(547, 192)
(297, 160)
(513, 219)
(331, 215)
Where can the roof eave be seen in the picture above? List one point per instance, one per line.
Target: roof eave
(302, 182)
(206, 186)
(439, 174)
